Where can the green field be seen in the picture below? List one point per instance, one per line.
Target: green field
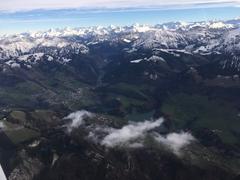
(196, 111)
(18, 134)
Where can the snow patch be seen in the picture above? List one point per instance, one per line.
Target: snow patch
(219, 25)
(15, 65)
(136, 61)
(127, 40)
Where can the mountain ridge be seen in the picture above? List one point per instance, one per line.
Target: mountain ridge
(202, 38)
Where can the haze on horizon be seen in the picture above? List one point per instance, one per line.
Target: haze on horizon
(27, 15)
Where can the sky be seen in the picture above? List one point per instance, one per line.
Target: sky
(13, 5)
(32, 15)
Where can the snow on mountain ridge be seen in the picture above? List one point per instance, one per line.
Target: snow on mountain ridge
(219, 25)
(199, 37)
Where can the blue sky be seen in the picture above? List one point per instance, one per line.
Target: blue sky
(54, 15)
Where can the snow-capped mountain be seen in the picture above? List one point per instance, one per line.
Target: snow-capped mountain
(203, 38)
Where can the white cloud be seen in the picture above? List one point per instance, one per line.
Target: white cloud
(77, 119)
(130, 135)
(134, 135)
(13, 5)
(175, 141)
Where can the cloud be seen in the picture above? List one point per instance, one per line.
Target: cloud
(175, 141)
(129, 135)
(77, 119)
(132, 135)
(13, 5)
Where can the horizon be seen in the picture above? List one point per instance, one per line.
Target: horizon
(124, 25)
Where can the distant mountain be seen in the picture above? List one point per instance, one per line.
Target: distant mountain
(203, 38)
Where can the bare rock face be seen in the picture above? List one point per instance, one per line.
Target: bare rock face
(27, 169)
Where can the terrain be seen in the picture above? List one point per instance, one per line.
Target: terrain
(135, 102)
